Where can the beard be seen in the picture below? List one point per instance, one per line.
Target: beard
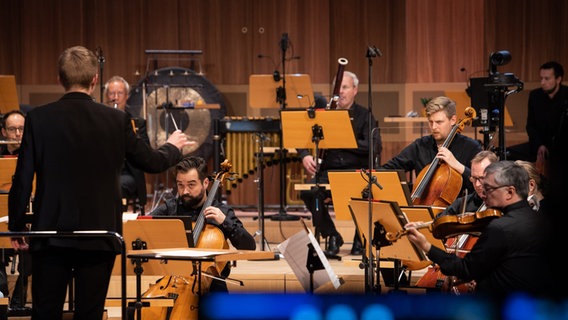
(551, 90)
(189, 201)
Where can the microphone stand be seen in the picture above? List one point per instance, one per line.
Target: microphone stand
(101, 67)
(371, 287)
(281, 97)
(260, 188)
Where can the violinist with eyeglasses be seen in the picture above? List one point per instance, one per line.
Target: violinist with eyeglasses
(510, 253)
(475, 201)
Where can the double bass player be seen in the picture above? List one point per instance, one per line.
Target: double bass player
(441, 114)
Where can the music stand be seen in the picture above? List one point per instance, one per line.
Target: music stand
(347, 184)
(387, 217)
(143, 234)
(9, 94)
(307, 129)
(265, 92)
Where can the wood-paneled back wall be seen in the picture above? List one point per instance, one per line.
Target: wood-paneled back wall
(422, 41)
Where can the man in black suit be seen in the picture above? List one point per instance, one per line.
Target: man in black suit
(76, 148)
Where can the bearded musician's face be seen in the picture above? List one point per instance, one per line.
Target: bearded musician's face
(191, 190)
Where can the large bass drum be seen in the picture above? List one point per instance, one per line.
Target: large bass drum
(181, 96)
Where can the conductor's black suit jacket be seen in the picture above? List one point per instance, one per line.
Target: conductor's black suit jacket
(76, 147)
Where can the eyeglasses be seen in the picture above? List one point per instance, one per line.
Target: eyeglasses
(475, 179)
(118, 93)
(488, 189)
(14, 129)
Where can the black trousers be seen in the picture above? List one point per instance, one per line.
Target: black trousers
(53, 270)
(314, 201)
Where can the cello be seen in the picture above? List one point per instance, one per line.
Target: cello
(183, 289)
(438, 184)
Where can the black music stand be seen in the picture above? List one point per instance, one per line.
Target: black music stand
(267, 92)
(307, 129)
(387, 218)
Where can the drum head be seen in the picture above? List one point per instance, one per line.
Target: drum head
(172, 97)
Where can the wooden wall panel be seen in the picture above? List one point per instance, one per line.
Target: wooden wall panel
(356, 25)
(532, 31)
(117, 27)
(216, 27)
(10, 41)
(48, 27)
(442, 36)
(422, 41)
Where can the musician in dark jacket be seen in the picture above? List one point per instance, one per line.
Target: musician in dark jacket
(340, 159)
(132, 179)
(441, 113)
(75, 147)
(510, 254)
(192, 182)
(474, 202)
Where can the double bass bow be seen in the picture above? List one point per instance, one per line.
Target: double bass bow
(438, 184)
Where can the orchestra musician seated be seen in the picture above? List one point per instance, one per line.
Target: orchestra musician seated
(316, 200)
(132, 179)
(12, 131)
(510, 254)
(421, 153)
(192, 182)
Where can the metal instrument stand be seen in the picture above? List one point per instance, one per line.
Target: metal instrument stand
(281, 97)
(260, 187)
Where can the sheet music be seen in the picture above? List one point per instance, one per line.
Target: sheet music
(295, 251)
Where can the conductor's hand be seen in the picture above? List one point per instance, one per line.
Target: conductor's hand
(179, 139)
(214, 213)
(417, 237)
(309, 164)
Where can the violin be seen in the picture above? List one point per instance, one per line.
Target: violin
(393, 236)
(468, 222)
(438, 184)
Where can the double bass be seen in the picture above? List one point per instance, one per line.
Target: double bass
(183, 290)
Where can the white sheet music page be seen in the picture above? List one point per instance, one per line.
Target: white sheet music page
(295, 252)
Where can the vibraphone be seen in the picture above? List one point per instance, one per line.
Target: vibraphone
(238, 139)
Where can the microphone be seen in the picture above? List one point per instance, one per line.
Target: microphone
(114, 104)
(373, 51)
(373, 179)
(375, 182)
(284, 42)
(276, 74)
(99, 54)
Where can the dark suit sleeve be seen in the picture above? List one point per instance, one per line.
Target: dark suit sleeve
(144, 157)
